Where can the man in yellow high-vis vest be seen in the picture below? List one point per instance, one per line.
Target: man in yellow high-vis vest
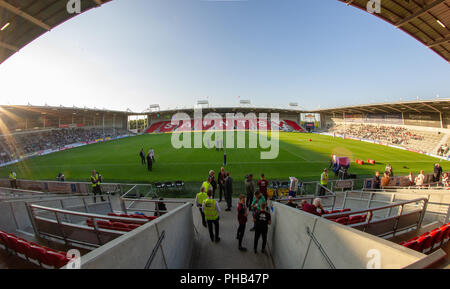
(207, 184)
(323, 182)
(211, 210)
(95, 182)
(199, 199)
(13, 179)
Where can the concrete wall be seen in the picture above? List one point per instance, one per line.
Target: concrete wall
(132, 250)
(346, 247)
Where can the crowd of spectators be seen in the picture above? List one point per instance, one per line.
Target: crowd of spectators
(389, 134)
(16, 145)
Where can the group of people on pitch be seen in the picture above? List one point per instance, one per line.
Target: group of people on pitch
(256, 203)
(148, 158)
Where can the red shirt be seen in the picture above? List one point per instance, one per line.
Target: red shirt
(242, 219)
(263, 184)
(310, 209)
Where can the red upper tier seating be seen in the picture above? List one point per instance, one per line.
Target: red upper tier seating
(40, 255)
(125, 226)
(240, 124)
(429, 240)
(293, 125)
(154, 127)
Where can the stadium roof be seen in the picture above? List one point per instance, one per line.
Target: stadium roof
(24, 110)
(29, 19)
(419, 106)
(426, 20)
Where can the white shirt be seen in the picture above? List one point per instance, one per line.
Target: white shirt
(419, 180)
(294, 184)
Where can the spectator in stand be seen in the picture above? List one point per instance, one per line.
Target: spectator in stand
(445, 180)
(291, 203)
(256, 205)
(293, 186)
(228, 191)
(31, 142)
(249, 189)
(385, 180)
(242, 220)
(411, 179)
(160, 207)
(437, 173)
(389, 170)
(262, 186)
(312, 209)
(221, 181)
(261, 219)
(212, 182)
(376, 181)
(420, 179)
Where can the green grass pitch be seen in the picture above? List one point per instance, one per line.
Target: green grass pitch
(118, 161)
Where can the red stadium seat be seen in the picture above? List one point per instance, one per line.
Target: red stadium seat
(55, 259)
(36, 253)
(411, 245)
(133, 226)
(437, 238)
(357, 219)
(104, 224)
(426, 243)
(120, 226)
(446, 234)
(22, 248)
(3, 242)
(342, 221)
(11, 242)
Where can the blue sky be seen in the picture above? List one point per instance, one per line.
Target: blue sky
(133, 53)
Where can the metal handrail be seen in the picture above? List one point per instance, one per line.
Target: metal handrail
(87, 215)
(74, 182)
(307, 198)
(157, 210)
(425, 200)
(157, 201)
(73, 197)
(23, 191)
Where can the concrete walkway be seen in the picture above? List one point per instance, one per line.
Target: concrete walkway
(225, 254)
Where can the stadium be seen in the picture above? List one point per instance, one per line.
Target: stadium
(146, 216)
